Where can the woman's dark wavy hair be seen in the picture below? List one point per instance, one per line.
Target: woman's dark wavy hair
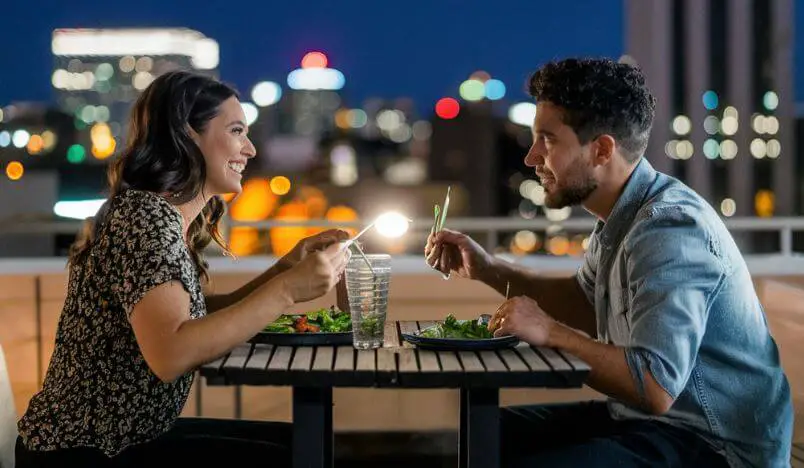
(161, 156)
(599, 96)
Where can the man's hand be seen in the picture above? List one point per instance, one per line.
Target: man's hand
(311, 244)
(449, 250)
(522, 317)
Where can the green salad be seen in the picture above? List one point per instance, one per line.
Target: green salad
(323, 320)
(458, 329)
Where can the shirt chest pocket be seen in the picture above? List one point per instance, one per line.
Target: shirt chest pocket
(620, 316)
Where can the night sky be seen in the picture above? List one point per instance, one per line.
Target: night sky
(421, 49)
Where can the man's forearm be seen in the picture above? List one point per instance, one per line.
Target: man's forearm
(561, 297)
(610, 373)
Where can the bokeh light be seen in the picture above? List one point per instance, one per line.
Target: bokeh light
(495, 89)
(266, 93)
(447, 108)
(76, 154)
(710, 100)
(472, 90)
(314, 60)
(280, 185)
(392, 224)
(15, 170)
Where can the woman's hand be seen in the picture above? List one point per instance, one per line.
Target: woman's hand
(315, 275)
(311, 244)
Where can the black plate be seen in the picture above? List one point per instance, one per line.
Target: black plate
(458, 344)
(303, 339)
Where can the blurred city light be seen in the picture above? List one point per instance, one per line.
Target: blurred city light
(728, 149)
(5, 139)
(710, 100)
(266, 93)
(314, 60)
(312, 79)
(203, 51)
(79, 209)
(76, 154)
(711, 149)
(728, 207)
(711, 125)
(103, 143)
(764, 203)
(256, 201)
(447, 108)
(774, 149)
(35, 145)
(472, 90)
(20, 138)
(682, 125)
(522, 113)
(758, 148)
(14, 170)
(495, 89)
(280, 185)
(481, 76)
(770, 100)
(343, 165)
(357, 118)
(392, 224)
(250, 111)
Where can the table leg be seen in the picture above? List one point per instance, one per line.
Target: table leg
(479, 437)
(313, 445)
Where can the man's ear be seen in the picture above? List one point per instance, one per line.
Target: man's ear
(603, 149)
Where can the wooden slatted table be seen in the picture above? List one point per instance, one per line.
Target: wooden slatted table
(312, 372)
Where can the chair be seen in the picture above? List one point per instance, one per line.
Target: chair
(8, 417)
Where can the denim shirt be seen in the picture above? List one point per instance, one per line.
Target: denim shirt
(670, 286)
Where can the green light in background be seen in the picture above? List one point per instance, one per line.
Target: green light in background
(472, 90)
(76, 154)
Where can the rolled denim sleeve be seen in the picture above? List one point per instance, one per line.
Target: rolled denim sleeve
(674, 271)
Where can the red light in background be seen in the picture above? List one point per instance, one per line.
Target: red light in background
(447, 108)
(314, 60)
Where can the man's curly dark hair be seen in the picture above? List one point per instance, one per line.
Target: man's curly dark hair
(599, 96)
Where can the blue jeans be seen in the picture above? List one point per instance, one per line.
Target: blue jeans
(584, 434)
(196, 442)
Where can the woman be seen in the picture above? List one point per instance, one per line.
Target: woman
(136, 323)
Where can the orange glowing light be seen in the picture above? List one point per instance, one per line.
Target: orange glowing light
(255, 203)
(14, 170)
(283, 239)
(280, 185)
(36, 144)
(244, 240)
(314, 60)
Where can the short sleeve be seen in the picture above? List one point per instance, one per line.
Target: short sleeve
(588, 270)
(146, 247)
(674, 272)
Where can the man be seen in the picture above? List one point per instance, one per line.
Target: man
(679, 340)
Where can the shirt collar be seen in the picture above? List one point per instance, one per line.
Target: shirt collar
(628, 204)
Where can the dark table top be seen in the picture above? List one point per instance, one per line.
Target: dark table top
(398, 364)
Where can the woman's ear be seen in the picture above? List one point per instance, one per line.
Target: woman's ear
(193, 134)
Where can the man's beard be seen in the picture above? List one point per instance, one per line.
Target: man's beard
(575, 194)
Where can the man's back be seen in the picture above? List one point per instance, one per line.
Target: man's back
(670, 285)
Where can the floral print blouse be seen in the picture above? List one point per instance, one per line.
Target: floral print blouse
(98, 391)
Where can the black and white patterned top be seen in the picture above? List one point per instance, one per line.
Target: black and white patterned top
(98, 390)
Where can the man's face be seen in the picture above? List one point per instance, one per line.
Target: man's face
(561, 162)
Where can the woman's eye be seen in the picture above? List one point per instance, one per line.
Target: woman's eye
(237, 130)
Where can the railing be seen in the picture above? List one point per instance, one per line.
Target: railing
(487, 231)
